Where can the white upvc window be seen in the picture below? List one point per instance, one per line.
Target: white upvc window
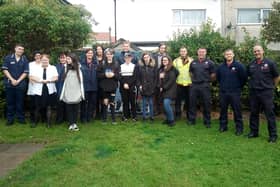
(252, 16)
(189, 17)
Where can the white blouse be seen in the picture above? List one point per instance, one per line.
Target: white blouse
(51, 72)
(32, 68)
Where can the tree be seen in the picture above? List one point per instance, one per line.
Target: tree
(271, 28)
(44, 26)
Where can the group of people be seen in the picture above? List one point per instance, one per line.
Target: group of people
(89, 86)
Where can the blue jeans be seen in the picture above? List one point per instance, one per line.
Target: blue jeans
(150, 103)
(168, 109)
(15, 100)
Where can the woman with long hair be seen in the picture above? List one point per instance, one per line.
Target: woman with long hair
(147, 83)
(88, 67)
(100, 58)
(73, 90)
(167, 76)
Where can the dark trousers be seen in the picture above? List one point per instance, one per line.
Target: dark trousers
(183, 94)
(15, 100)
(88, 106)
(60, 112)
(203, 93)
(232, 99)
(157, 102)
(129, 105)
(72, 113)
(44, 106)
(99, 106)
(262, 99)
(32, 108)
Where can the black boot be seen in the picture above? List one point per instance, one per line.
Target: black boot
(35, 118)
(112, 109)
(49, 116)
(104, 112)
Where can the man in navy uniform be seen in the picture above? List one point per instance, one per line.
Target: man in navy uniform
(202, 71)
(15, 69)
(231, 76)
(263, 76)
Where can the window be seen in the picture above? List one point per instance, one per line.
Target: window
(252, 16)
(188, 17)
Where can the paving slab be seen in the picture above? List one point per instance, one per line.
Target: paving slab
(11, 155)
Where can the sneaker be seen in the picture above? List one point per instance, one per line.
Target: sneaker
(124, 119)
(114, 123)
(171, 123)
(70, 127)
(134, 119)
(75, 127)
(272, 139)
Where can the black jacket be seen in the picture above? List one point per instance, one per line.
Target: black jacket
(262, 75)
(147, 79)
(108, 84)
(168, 83)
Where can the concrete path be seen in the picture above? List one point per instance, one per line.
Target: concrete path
(13, 154)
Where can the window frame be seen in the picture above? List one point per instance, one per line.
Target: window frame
(181, 17)
(261, 18)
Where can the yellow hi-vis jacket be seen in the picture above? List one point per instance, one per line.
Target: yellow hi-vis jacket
(184, 77)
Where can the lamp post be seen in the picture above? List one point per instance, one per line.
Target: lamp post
(115, 17)
(110, 41)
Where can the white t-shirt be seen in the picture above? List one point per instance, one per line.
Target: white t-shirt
(51, 72)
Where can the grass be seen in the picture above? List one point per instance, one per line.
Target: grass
(143, 155)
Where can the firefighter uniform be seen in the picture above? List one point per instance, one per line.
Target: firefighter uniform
(261, 83)
(201, 77)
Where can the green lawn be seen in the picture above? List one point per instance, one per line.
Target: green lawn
(143, 155)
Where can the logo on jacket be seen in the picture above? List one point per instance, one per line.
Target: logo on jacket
(265, 67)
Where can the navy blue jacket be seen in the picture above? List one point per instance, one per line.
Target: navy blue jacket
(89, 75)
(16, 69)
(231, 78)
(59, 83)
(262, 75)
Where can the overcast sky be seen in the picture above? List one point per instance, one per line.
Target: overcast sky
(137, 20)
(128, 14)
(102, 11)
